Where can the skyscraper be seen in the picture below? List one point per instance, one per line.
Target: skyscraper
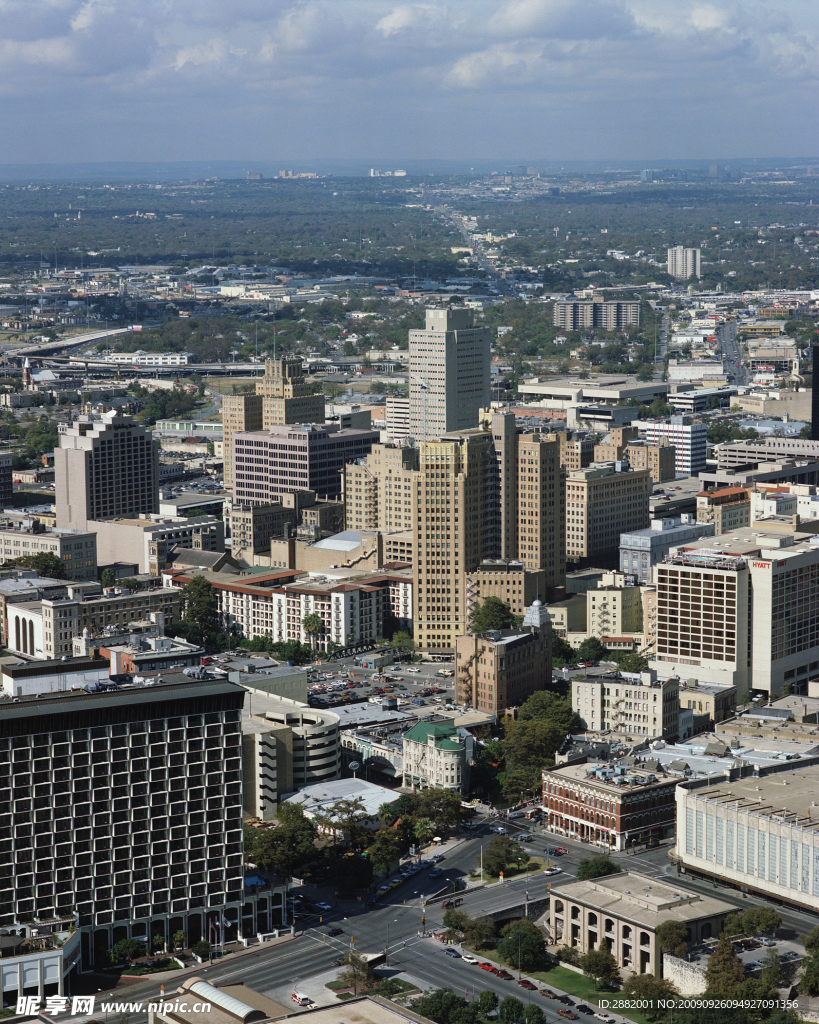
(449, 374)
(105, 468)
(282, 396)
(683, 263)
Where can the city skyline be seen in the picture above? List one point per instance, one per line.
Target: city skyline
(148, 81)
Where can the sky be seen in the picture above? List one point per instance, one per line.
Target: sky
(304, 81)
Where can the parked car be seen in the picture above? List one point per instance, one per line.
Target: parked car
(548, 993)
(525, 983)
(487, 967)
(452, 952)
(582, 1008)
(468, 959)
(505, 975)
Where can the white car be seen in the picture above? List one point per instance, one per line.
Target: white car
(552, 871)
(467, 959)
(498, 830)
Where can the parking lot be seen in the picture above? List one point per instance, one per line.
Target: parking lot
(413, 686)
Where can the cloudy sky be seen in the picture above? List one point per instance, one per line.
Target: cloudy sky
(302, 80)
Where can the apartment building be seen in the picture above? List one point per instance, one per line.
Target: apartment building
(436, 755)
(614, 806)
(282, 396)
(275, 604)
(104, 469)
(501, 668)
(610, 315)
(44, 629)
(688, 439)
(614, 609)
(379, 490)
(397, 418)
(641, 550)
(710, 704)
(725, 508)
(22, 586)
(684, 263)
(449, 373)
(26, 535)
(638, 705)
(602, 503)
(143, 834)
(508, 580)
(304, 457)
(575, 453)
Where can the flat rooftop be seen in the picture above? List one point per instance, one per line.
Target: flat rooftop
(642, 899)
(789, 796)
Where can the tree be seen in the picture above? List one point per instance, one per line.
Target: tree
(478, 931)
(596, 867)
(201, 948)
(809, 982)
(107, 578)
(645, 372)
(510, 1010)
(500, 852)
(313, 626)
(759, 919)
(289, 846)
(633, 662)
(386, 813)
(158, 941)
(545, 705)
(441, 806)
(569, 955)
(733, 924)
(423, 830)
(200, 605)
(386, 849)
(591, 650)
(402, 641)
(648, 989)
(671, 934)
(724, 971)
(562, 651)
(487, 1002)
(445, 1007)
(811, 940)
(492, 614)
(600, 965)
(357, 972)
(178, 940)
(771, 973)
(347, 817)
(128, 949)
(522, 947)
(455, 919)
(45, 564)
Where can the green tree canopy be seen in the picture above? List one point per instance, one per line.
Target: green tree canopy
(500, 852)
(724, 971)
(522, 947)
(492, 614)
(291, 845)
(562, 652)
(759, 919)
(591, 650)
(671, 934)
(313, 626)
(200, 605)
(633, 662)
(596, 867)
(45, 564)
(357, 972)
(600, 965)
(545, 705)
(445, 1007)
(510, 1010)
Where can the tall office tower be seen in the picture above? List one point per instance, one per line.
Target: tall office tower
(532, 497)
(600, 505)
(456, 527)
(449, 367)
(283, 395)
(240, 413)
(123, 808)
(689, 440)
(103, 469)
(684, 263)
(287, 397)
(379, 491)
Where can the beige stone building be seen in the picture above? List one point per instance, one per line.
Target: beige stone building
(76, 549)
(712, 703)
(507, 580)
(254, 527)
(600, 505)
(625, 911)
(379, 490)
(500, 669)
(148, 541)
(637, 705)
(283, 395)
(658, 459)
(728, 508)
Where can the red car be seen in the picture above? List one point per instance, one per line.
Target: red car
(525, 983)
(487, 967)
(505, 976)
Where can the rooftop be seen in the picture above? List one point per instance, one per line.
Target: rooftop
(788, 796)
(642, 899)
(320, 797)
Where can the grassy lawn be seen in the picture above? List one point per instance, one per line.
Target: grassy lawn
(397, 987)
(535, 864)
